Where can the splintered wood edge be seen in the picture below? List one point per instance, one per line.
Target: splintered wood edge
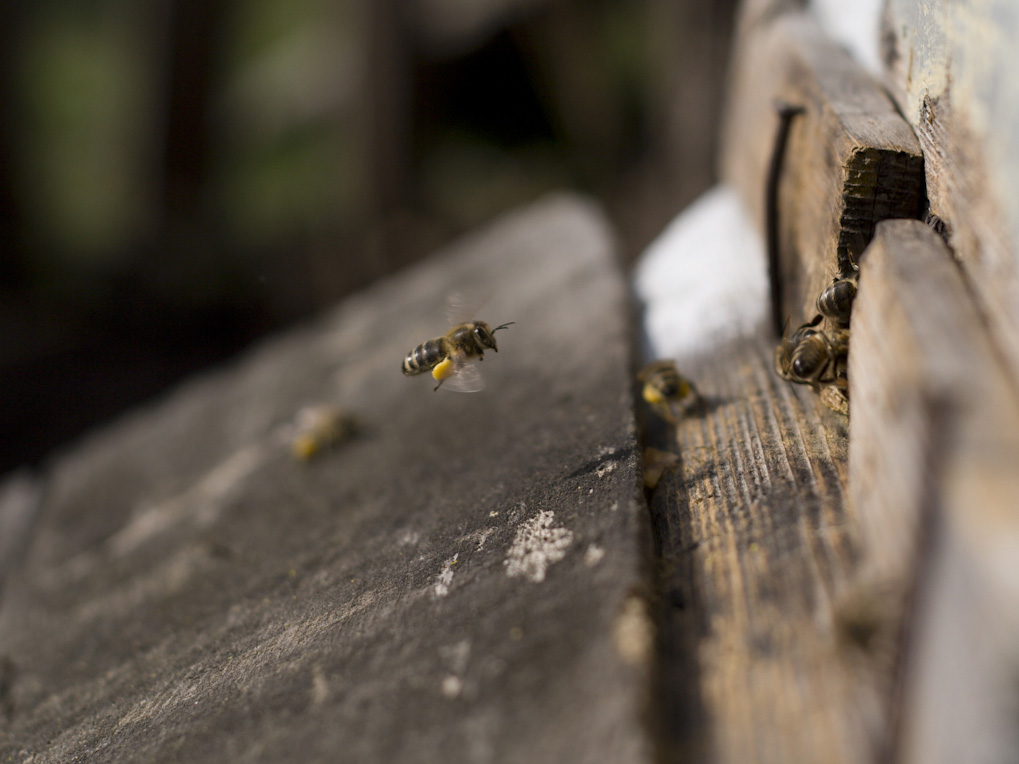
(851, 160)
(933, 478)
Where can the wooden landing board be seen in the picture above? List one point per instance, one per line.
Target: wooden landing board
(850, 160)
(755, 545)
(934, 478)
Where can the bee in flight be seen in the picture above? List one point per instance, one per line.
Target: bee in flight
(666, 390)
(449, 357)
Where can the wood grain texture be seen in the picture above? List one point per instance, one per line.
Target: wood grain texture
(851, 160)
(194, 593)
(755, 544)
(951, 67)
(934, 451)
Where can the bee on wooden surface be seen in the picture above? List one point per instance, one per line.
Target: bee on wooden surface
(448, 357)
(317, 428)
(667, 391)
(810, 356)
(836, 301)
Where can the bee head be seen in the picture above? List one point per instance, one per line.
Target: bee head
(483, 333)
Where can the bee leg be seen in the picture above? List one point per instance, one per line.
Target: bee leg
(436, 388)
(445, 368)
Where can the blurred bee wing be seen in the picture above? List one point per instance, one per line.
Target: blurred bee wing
(460, 309)
(466, 378)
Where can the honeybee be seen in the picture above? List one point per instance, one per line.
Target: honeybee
(813, 357)
(666, 390)
(317, 428)
(836, 301)
(448, 357)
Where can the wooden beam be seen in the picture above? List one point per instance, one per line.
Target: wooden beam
(755, 546)
(952, 72)
(850, 162)
(933, 458)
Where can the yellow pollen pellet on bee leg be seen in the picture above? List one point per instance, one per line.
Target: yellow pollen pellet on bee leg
(443, 369)
(652, 395)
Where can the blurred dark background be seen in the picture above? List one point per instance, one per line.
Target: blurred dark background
(179, 177)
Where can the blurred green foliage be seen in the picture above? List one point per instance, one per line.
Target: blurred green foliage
(178, 177)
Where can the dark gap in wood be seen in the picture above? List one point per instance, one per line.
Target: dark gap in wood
(676, 712)
(752, 544)
(680, 621)
(785, 112)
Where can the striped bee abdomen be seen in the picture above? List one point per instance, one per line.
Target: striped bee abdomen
(425, 357)
(836, 302)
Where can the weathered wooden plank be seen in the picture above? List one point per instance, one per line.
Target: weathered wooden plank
(934, 480)
(952, 70)
(755, 544)
(850, 162)
(455, 583)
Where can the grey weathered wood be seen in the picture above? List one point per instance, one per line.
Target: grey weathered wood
(934, 478)
(456, 583)
(956, 83)
(756, 546)
(850, 162)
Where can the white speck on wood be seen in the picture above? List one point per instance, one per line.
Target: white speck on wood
(441, 588)
(634, 633)
(593, 555)
(538, 544)
(451, 686)
(319, 687)
(408, 538)
(482, 537)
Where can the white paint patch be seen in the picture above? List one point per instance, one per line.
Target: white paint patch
(704, 279)
(593, 555)
(538, 545)
(606, 469)
(857, 26)
(441, 588)
(482, 537)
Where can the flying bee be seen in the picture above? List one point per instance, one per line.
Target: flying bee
(666, 391)
(836, 301)
(317, 428)
(448, 357)
(813, 357)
